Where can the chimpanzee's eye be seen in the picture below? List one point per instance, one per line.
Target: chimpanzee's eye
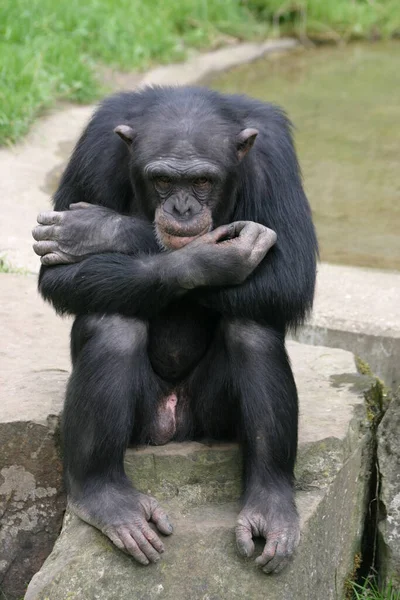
(202, 183)
(163, 183)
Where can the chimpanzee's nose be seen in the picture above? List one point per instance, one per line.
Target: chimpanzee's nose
(182, 207)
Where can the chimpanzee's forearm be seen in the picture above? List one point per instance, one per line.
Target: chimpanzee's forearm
(68, 236)
(280, 291)
(113, 283)
(132, 235)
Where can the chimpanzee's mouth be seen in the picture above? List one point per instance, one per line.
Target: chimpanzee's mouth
(187, 234)
(178, 241)
(176, 234)
(185, 231)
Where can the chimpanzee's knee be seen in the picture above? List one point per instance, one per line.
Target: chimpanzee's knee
(248, 337)
(114, 333)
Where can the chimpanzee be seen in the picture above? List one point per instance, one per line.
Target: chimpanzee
(185, 254)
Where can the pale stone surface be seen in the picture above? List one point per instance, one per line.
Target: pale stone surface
(201, 65)
(370, 300)
(358, 309)
(200, 561)
(34, 360)
(34, 352)
(389, 468)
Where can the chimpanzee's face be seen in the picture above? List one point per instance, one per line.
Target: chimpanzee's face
(185, 188)
(186, 183)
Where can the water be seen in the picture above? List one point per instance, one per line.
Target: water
(345, 103)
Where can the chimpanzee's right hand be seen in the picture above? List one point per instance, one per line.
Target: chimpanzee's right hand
(225, 256)
(64, 237)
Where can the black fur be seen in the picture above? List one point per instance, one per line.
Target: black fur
(269, 191)
(223, 346)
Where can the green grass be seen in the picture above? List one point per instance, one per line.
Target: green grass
(49, 49)
(331, 19)
(369, 591)
(6, 267)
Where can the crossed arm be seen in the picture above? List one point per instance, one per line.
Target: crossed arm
(97, 260)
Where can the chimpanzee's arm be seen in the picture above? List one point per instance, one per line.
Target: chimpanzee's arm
(280, 291)
(144, 284)
(69, 236)
(112, 283)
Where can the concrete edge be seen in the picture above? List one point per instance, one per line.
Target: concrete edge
(381, 352)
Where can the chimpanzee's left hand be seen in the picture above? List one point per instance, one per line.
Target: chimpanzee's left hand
(64, 237)
(278, 523)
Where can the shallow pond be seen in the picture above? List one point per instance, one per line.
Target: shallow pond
(345, 104)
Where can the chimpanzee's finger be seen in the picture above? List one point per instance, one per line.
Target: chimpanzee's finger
(50, 217)
(279, 567)
(56, 258)
(132, 547)
(160, 519)
(277, 563)
(78, 205)
(238, 227)
(148, 550)
(244, 540)
(42, 248)
(153, 538)
(249, 233)
(268, 553)
(45, 232)
(224, 232)
(263, 243)
(276, 555)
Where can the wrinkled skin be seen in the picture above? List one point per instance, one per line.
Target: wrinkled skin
(68, 237)
(263, 517)
(123, 515)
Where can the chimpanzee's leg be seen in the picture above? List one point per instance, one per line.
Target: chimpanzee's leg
(111, 377)
(263, 384)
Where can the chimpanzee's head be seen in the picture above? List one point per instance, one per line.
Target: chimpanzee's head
(185, 155)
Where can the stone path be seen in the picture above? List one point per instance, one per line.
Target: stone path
(356, 309)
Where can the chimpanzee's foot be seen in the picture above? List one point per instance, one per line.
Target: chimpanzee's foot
(274, 518)
(122, 514)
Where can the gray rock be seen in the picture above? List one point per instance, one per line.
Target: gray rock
(358, 309)
(34, 368)
(389, 467)
(199, 484)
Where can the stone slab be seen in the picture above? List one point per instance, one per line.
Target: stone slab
(200, 561)
(34, 364)
(34, 352)
(358, 309)
(389, 470)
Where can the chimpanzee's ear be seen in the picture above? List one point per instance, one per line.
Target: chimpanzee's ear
(245, 141)
(125, 133)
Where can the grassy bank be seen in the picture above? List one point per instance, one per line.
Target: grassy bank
(371, 592)
(51, 50)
